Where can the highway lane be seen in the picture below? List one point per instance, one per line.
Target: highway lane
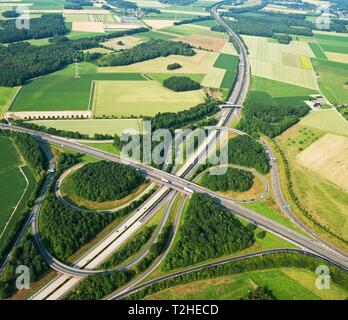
(125, 292)
(86, 264)
(158, 261)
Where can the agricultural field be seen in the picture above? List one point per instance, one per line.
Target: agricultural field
(201, 62)
(61, 91)
(287, 63)
(76, 17)
(47, 4)
(154, 35)
(324, 200)
(159, 24)
(332, 79)
(214, 77)
(6, 96)
(207, 42)
(230, 64)
(327, 120)
(17, 184)
(192, 29)
(284, 283)
(328, 157)
(128, 42)
(147, 98)
(332, 43)
(273, 92)
(92, 126)
(317, 50)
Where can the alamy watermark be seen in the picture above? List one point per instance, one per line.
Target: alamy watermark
(323, 21)
(323, 280)
(163, 147)
(23, 280)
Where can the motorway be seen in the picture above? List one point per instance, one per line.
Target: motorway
(178, 182)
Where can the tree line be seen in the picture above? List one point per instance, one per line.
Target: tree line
(20, 60)
(145, 51)
(48, 25)
(269, 261)
(234, 180)
(207, 232)
(130, 248)
(156, 248)
(29, 149)
(105, 181)
(37, 163)
(267, 24)
(95, 287)
(180, 84)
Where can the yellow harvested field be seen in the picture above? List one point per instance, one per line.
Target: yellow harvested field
(207, 42)
(158, 24)
(339, 57)
(229, 49)
(128, 42)
(328, 157)
(274, 71)
(88, 26)
(214, 78)
(201, 62)
(306, 63)
(288, 63)
(137, 98)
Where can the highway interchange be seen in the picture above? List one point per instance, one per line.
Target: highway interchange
(171, 184)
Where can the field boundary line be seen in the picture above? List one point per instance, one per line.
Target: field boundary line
(19, 201)
(91, 96)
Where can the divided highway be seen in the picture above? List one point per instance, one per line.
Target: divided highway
(85, 265)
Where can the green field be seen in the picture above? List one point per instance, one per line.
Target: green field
(47, 4)
(332, 43)
(146, 98)
(14, 189)
(92, 126)
(327, 120)
(318, 52)
(333, 79)
(154, 35)
(6, 95)
(230, 64)
(284, 283)
(188, 30)
(61, 91)
(274, 92)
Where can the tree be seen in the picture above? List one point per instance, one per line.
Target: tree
(181, 84)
